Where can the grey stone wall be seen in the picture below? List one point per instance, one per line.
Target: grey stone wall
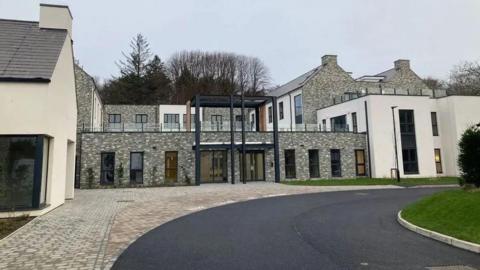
(84, 90)
(154, 146)
(128, 113)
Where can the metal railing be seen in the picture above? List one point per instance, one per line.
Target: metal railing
(388, 91)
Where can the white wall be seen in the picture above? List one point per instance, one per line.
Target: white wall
(288, 121)
(97, 111)
(176, 109)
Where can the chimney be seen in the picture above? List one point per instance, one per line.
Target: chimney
(56, 17)
(402, 64)
(329, 59)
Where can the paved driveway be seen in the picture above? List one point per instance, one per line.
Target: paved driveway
(92, 230)
(344, 230)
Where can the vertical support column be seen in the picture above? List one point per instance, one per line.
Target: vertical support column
(244, 169)
(232, 142)
(197, 140)
(257, 119)
(276, 151)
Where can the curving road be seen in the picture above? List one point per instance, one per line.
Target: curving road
(339, 230)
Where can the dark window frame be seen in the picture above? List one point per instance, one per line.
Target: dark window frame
(142, 117)
(167, 168)
(439, 162)
(102, 170)
(409, 142)
(434, 119)
(114, 120)
(298, 109)
(358, 164)
(336, 163)
(290, 168)
(170, 116)
(142, 154)
(314, 168)
(270, 115)
(280, 110)
(354, 122)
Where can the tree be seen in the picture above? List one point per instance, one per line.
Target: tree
(434, 84)
(135, 62)
(157, 86)
(465, 79)
(469, 156)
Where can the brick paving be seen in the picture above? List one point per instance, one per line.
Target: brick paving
(92, 230)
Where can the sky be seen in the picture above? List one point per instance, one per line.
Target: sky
(290, 36)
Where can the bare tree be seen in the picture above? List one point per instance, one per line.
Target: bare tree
(465, 79)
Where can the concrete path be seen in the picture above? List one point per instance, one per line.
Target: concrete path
(344, 230)
(92, 230)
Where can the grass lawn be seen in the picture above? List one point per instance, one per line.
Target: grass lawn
(455, 213)
(406, 182)
(9, 225)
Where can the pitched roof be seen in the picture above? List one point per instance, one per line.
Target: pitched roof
(294, 84)
(28, 52)
(387, 75)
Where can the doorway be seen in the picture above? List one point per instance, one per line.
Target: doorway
(171, 166)
(213, 166)
(255, 165)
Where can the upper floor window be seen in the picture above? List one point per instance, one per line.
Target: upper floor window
(141, 118)
(280, 110)
(270, 116)
(434, 123)
(339, 123)
(298, 109)
(171, 120)
(114, 118)
(354, 122)
(217, 122)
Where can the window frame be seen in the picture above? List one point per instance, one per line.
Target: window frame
(168, 116)
(114, 118)
(332, 164)
(434, 119)
(134, 181)
(298, 109)
(358, 164)
(290, 166)
(439, 161)
(315, 166)
(102, 170)
(141, 115)
(354, 123)
(280, 110)
(409, 141)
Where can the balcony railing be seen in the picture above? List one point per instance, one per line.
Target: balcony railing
(388, 91)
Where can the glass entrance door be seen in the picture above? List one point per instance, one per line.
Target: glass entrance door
(255, 166)
(213, 166)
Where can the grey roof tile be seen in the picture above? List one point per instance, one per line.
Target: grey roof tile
(27, 51)
(294, 84)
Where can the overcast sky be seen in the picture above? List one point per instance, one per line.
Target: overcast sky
(289, 36)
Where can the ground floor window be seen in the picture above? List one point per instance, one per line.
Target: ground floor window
(290, 168)
(136, 167)
(336, 164)
(410, 162)
(171, 165)
(21, 164)
(360, 162)
(213, 166)
(107, 174)
(313, 163)
(438, 160)
(254, 164)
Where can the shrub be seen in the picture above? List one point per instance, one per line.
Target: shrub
(90, 177)
(120, 171)
(469, 157)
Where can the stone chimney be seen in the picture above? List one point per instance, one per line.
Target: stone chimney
(329, 60)
(402, 64)
(56, 17)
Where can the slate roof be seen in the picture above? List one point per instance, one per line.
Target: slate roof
(387, 75)
(294, 84)
(28, 52)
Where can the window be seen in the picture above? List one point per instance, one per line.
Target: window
(324, 124)
(280, 109)
(313, 163)
(21, 165)
(140, 120)
(290, 170)
(270, 116)
(298, 109)
(409, 144)
(336, 164)
(171, 164)
(136, 167)
(107, 173)
(171, 121)
(339, 123)
(360, 162)
(238, 118)
(115, 120)
(354, 122)
(217, 122)
(438, 160)
(434, 123)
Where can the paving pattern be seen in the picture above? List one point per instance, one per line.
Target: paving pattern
(91, 231)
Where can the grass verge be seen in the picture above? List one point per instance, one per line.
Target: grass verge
(405, 182)
(455, 213)
(9, 225)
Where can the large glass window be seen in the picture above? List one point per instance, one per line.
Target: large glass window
(115, 121)
(20, 171)
(136, 167)
(360, 162)
(270, 115)
(107, 174)
(290, 169)
(438, 160)
(336, 164)
(298, 109)
(313, 163)
(141, 120)
(217, 122)
(213, 166)
(339, 124)
(171, 121)
(434, 123)
(354, 123)
(280, 109)
(409, 144)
